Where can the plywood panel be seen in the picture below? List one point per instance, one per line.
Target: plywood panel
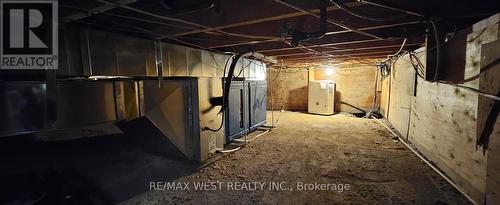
(490, 83)
(385, 96)
(443, 123)
(492, 172)
(401, 89)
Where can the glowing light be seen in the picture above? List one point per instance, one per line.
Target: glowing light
(329, 70)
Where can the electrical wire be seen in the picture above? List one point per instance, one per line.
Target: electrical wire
(221, 111)
(243, 68)
(416, 64)
(438, 55)
(400, 48)
(478, 35)
(358, 14)
(474, 90)
(277, 75)
(482, 70)
(181, 21)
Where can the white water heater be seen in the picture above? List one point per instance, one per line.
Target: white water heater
(321, 98)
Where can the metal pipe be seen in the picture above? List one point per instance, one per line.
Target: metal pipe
(330, 21)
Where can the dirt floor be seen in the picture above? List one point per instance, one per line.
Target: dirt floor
(356, 158)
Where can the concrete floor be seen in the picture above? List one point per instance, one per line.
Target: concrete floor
(336, 150)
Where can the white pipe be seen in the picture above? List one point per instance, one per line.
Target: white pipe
(258, 136)
(229, 150)
(428, 163)
(247, 141)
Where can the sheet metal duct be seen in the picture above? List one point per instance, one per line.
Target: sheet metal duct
(174, 115)
(70, 52)
(110, 54)
(135, 56)
(193, 59)
(101, 51)
(27, 106)
(209, 65)
(177, 60)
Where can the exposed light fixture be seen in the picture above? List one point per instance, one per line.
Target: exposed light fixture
(329, 70)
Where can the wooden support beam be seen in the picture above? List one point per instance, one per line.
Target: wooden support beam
(393, 47)
(94, 11)
(336, 23)
(327, 34)
(375, 53)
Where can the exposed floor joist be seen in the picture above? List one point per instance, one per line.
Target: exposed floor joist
(262, 20)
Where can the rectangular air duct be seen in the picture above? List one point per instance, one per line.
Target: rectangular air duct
(175, 115)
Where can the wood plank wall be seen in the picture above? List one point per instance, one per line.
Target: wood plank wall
(443, 120)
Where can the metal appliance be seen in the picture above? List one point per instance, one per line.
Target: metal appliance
(321, 97)
(257, 92)
(247, 107)
(236, 113)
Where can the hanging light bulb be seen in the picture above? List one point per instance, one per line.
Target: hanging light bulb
(329, 70)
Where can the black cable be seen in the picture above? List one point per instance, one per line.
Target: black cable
(222, 107)
(415, 66)
(277, 75)
(347, 9)
(478, 35)
(242, 69)
(227, 84)
(350, 105)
